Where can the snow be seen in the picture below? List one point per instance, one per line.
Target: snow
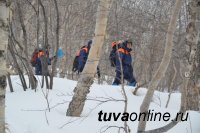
(26, 111)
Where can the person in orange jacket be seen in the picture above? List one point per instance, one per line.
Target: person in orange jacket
(123, 54)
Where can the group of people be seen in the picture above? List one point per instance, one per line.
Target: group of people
(120, 58)
(40, 56)
(41, 60)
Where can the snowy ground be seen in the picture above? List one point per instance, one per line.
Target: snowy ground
(26, 111)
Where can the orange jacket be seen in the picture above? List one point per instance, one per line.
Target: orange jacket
(121, 50)
(78, 52)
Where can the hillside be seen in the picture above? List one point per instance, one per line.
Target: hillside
(26, 112)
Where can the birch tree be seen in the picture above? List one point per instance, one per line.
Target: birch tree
(163, 65)
(4, 13)
(86, 79)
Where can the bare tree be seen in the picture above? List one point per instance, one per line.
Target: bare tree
(86, 79)
(21, 76)
(175, 121)
(32, 78)
(163, 65)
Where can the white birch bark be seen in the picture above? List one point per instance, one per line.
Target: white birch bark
(4, 13)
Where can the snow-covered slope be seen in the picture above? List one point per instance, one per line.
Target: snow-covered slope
(26, 111)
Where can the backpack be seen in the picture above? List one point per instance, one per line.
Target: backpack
(34, 57)
(112, 56)
(75, 62)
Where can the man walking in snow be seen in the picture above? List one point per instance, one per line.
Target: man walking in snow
(81, 58)
(83, 55)
(124, 59)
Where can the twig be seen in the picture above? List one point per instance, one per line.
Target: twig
(46, 117)
(136, 89)
(158, 97)
(108, 127)
(47, 108)
(69, 123)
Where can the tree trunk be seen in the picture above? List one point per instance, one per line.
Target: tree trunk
(4, 14)
(163, 66)
(21, 76)
(45, 24)
(172, 84)
(10, 83)
(86, 79)
(57, 45)
(32, 79)
(45, 70)
(193, 64)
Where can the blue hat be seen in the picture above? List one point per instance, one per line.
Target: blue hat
(60, 53)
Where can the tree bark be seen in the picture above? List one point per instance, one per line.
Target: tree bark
(163, 65)
(4, 14)
(86, 79)
(193, 64)
(45, 24)
(57, 45)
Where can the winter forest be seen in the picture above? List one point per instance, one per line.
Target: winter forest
(99, 66)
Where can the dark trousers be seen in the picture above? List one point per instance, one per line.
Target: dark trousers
(127, 73)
